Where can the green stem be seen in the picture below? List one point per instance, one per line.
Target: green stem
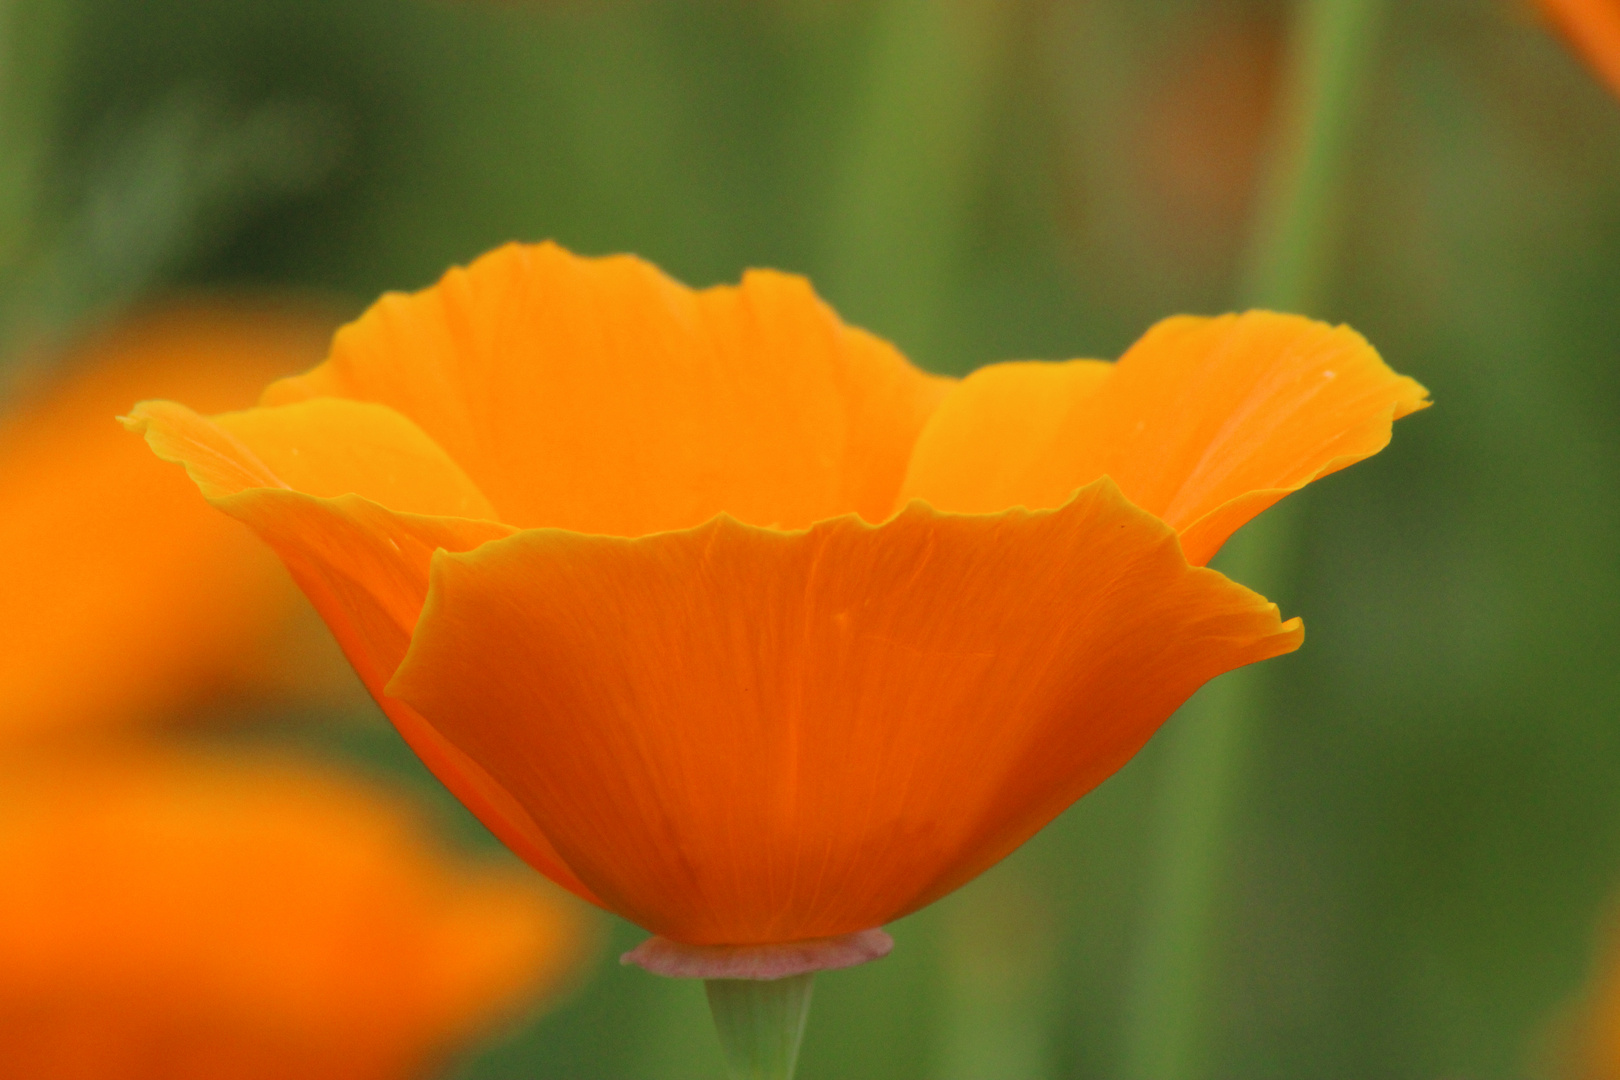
(1167, 1009)
(761, 1023)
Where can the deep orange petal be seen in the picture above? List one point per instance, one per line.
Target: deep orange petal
(185, 915)
(127, 600)
(1203, 422)
(1593, 28)
(740, 736)
(363, 566)
(598, 395)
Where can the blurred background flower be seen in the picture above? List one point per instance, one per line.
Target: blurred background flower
(197, 915)
(178, 902)
(133, 609)
(1592, 28)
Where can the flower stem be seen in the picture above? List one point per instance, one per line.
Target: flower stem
(761, 1023)
(1167, 1009)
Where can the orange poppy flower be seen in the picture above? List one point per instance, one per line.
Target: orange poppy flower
(190, 917)
(1592, 27)
(727, 618)
(127, 600)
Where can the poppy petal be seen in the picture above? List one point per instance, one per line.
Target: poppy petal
(743, 736)
(601, 396)
(995, 430)
(329, 447)
(1203, 422)
(365, 569)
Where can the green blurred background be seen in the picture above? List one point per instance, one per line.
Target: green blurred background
(1428, 836)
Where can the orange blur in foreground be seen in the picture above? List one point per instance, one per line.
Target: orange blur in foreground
(126, 603)
(183, 917)
(1593, 28)
(726, 617)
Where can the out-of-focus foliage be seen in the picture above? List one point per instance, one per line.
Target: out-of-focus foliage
(1433, 820)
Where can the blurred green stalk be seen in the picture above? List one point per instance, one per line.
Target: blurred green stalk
(33, 36)
(1168, 1008)
(16, 161)
(1331, 57)
(996, 987)
(898, 229)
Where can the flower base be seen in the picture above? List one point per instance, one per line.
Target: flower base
(676, 960)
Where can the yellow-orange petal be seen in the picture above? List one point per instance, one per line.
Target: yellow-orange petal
(744, 736)
(1203, 422)
(1593, 28)
(328, 446)
(363, 566)
(995, 430)
(128, 601)
(192, 915)
(601, 396)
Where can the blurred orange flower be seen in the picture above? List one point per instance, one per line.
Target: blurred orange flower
(727, 618)
(1583, 1042)
(1593, 28)
(191, 917)
(126, 600)
(1197, 141)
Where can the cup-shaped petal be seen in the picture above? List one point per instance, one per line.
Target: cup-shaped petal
(725, 617)
(737, 735)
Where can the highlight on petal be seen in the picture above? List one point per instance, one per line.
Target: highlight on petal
(330, 447)
(193, 915)
(742, 736)
(1592, 27)
(363, 566)
(1203, 422)
(129, 601)
(599, 395)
